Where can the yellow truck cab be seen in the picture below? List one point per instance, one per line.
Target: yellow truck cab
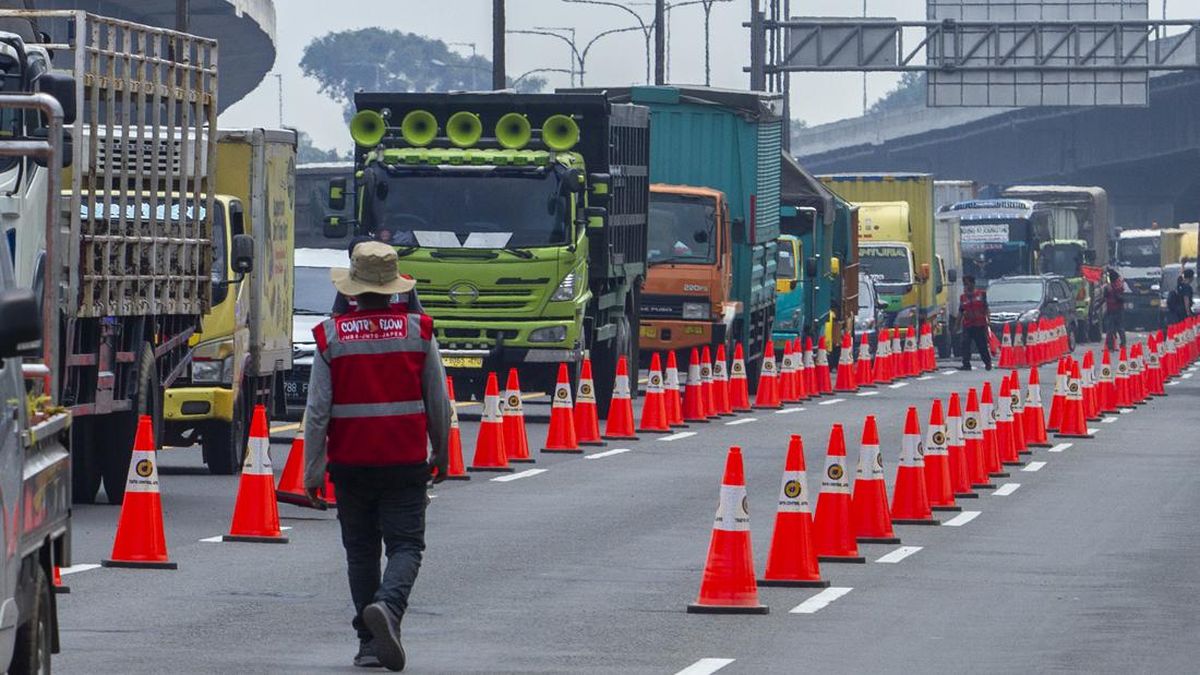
(886, 256)
(245, 344)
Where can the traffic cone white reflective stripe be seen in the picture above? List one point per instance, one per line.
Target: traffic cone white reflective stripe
(255, 511)
(910, 496)
(721, 384)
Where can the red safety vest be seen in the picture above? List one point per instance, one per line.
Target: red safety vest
(375, 361)
(973, 307)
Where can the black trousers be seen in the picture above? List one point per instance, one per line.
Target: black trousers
(978, 336)
(381, 510)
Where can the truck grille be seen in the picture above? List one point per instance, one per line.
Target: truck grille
(661, 306)
(439, 297)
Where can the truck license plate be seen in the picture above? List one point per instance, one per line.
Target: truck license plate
(295, 390)
(462, 361)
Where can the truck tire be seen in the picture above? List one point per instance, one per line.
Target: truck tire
(225, 444)
(86, 437)
(35, 637)
(121, 428)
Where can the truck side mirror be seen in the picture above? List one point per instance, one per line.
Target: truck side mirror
(241, 255)
(572, 182)
(334, 227)
(600, 189)
(337, 194)
(20, 321)
(952, 275)
(739, 231)
(597, 216)
(810, 267)
(1089, 256)
(62, 87)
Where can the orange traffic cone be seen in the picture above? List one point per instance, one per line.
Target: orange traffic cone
(1091, 401)
(654, 409)
(140, 541)
(896, 355)
(739, 389)
(809, 369)
(707, 396)
(1006, 348)
(721, 382)
(1074, 424)
(910, 352)
(728, 585)
(991, 445)
(1020, 359)
(255, 513)
(291, 482)
(1017, 403)
(937, 463)
(1060, 390)
(805, 371)
(671, 398)
(845, 369)
(560, 437)
(1035, 419)
(1157, 373)
(328, 494)
(455, 469)
(824, 382)
(910, 496)
(693, 398)
(788, 379)
(512, 414)
(1122, 399)
(793, 557)
(57, 584)
(587, 420)
(490, 453)
(956, 450)
(928, 353)
(868, 505)
(833, 531)
(1137, 375)
(883, 360)
(1005, 436)
(973, 438)
(767, 395)
(619, 423)
(862, 368)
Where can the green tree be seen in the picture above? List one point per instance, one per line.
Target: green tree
(306, 152)
(909, 93)
(374, 59)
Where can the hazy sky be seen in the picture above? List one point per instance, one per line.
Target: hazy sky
(615, 60)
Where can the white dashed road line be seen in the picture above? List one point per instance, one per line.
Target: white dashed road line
(923, 378)
(744, 420)
(1091, 431)
(868, 393)
(212, 540)
(705, 666)
(606, 453)
(788, 411)
(1034, 466)
(899, 554)
(679, 436)
(897, 385)
(962, 519)
(831, 401)
(81, 567)
(1060, 447)
(1006, 489)
(1109, 420)
(820, 600)
(519, 475)
(949, 372)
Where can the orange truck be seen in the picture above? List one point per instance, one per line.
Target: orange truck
(687, 297)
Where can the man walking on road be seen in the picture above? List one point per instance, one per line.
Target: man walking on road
(377, 390)
(1114, 311)
(973, 310)
(1179, 300)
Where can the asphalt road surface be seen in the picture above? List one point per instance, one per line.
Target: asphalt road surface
(1086, 564)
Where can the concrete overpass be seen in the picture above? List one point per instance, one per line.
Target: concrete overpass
(1147, 158)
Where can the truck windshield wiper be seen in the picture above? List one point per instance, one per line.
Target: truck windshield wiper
(679, 258)
(308, 312)
(520, 253)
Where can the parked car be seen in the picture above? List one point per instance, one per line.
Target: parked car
(1170, 277)
(1029, 298)
(866, 322)
(312, 301)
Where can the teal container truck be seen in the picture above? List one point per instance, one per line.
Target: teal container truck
(728, 141)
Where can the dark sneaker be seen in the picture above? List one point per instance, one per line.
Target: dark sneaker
(964, 367)
(987, 366)
(366, 656)
(383, 625)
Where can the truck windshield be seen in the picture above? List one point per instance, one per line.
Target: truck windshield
(1138, 252)
(491, 208)
(682, 228)
(886, 264)
(1015, 291)
(993, 261)
(785, 266)
(313, 293)
(1061, 259)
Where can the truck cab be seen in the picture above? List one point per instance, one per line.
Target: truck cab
(686, 300)
(886, 256)
(1140, 256)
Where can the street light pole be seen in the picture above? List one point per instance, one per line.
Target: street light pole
(499, 79)
(474, 79)
(660, 42)
(647, 30)
(279, 91)
(570, 43)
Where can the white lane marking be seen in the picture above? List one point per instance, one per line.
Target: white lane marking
(898, 385)
(606, 453)
(705, 666)
(924, 378)
(1187, 377)
(518, 475)
(899, 554)
(1060, 447)
(679, 436)
(1034, 466)
(745, 420)
(1092, 431)
(1173, 383)
(831, 401)
(1125, 411)
(788, 411)
(949, 372)
(820, 600)
(868, 393)
(962, 519)
(1006, 489)
(1109, 420)
(212, 540)
(81, 567)
(285, 527)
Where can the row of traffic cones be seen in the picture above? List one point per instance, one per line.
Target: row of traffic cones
(1033, 343)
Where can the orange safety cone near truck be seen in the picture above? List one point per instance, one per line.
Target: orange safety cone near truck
(1035, 419)
(973, 439)
(911, 367)
(928, 353)
(654, 409)
(455, 468)
(1074, 424)
(728, 585)
(937, 463)
(1018, 412)
(290, 489)
(560, 437)
(810, 369)
(672, 400)
(619, 423)
(792, 560)
(956, 450)
(910, 496)
(512, 414)
(706, 384)
(255, 512)
(693, 397)
(490, 453)
(140, 541)
(787, 375)
(587, 419)
(833, 529)
(739, 389)
(868, 503)
(721, 382)
(845, 369)
(883, 361)
(767, 395)
(824, 381)
(862, 368)
(1060, 390)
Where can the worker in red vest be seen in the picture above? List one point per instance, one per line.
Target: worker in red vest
(973, 312)
(377, 391)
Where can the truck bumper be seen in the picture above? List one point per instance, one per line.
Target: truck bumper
(657, 335)
(196, 404)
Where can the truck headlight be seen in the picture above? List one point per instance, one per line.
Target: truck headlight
(565, 291)
(212, 371)
(1154, 287)
(697, 310)
(864, 323)
(548, 334)
(1031, 315)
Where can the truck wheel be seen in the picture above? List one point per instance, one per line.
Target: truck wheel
(86, 437)
(34, 639)
(120, 428)
(604, 365)
(225, 444)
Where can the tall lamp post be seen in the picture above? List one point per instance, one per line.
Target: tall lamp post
(570, 43)
(646, 28)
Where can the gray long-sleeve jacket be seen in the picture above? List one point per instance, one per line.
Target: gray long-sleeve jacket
(320, 401)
